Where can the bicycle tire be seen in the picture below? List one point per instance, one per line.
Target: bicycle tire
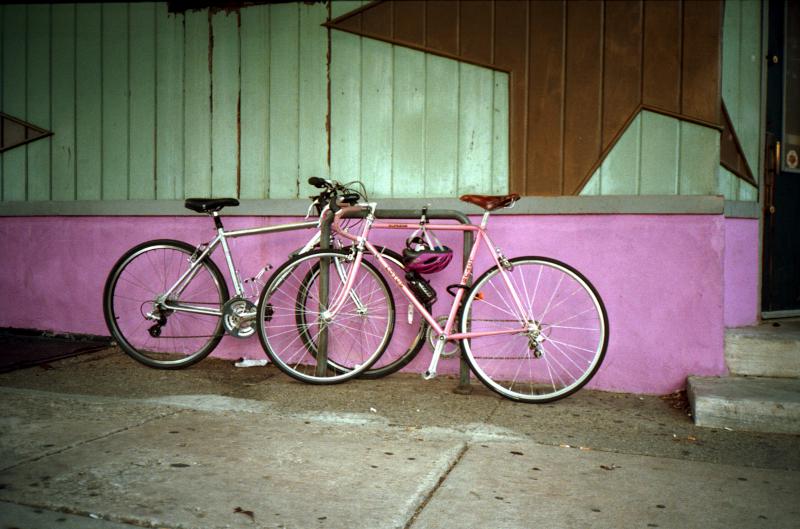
(357, 336)
(566, 337)
(396, 356)
(132, 286)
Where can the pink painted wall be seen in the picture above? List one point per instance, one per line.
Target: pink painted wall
(741, 272)
(662, 279)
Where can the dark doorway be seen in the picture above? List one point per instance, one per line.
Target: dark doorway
(781, 281)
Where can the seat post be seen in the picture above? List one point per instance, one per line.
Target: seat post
(485, 219)
(217, 219)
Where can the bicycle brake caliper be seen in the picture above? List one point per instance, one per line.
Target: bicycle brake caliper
(504, 262)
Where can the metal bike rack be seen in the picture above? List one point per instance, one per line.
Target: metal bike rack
(464, 387)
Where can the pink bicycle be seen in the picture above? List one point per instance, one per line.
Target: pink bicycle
(532, 329)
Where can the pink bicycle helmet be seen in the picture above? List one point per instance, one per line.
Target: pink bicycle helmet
(423, 256)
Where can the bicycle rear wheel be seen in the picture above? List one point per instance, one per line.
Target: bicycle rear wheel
(563, 334)
(292, 320)
(164, 333)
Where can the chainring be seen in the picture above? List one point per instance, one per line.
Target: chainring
(238, 317)
(450, 348)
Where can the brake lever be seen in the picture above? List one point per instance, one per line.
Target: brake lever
(311, 207)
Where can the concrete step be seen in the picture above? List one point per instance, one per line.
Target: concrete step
(771, 349)
(746, 403)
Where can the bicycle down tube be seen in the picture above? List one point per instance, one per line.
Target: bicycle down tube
(222, 238)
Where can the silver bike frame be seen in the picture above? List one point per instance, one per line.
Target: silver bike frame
(222, 239)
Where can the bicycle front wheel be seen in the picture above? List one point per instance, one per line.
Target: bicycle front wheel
(563, 331)
(164, 331)
(409, 331)
(302, 339)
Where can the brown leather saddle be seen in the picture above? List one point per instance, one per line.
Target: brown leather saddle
(491, 202)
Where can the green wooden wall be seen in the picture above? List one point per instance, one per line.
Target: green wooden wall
(742, 60)
(661, 155)
(150, 105)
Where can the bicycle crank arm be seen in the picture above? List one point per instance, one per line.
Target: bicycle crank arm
(437, 352)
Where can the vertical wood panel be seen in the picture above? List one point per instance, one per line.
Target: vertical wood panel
(409, 21)
(378, 21)
(169, 141)
(440, 34)
(441, 127)
(409, 121)
(661, 64)
(38, 70)
(475, 142)
(475, 41)
(283, 117)
(749, 126)
(545, 135)
(345, 106)
(255, 102)
(511, 49)
(660, 154)
(582, 91)
(313, 136)
(88, 98)
(2, 46)
(701, 68)
(619, 172)
(115, 110)
(345, 113)
(500, 158)
(13, 103)
(63, 102)
(699, 160)
(225, 104)
(197, 105)
(731, 35)
(142, 83)
(622, 87)
(377, 70)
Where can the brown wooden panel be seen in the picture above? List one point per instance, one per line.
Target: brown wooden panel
(475, 31)
(702, 31)
(545, 98)
(661, 63)
(731, 155)
(378, 20)
(583, 87)
(409, 22)
(440, 31)
(351, 23)
(622, 66)
(511, 53)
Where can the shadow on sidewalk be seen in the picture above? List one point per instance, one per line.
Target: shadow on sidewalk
(21, 348)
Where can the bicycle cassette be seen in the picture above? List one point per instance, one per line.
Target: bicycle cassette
(238, 317)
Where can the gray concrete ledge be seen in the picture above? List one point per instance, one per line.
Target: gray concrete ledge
(593, 205)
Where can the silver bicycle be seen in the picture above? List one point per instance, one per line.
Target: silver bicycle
(167, 304)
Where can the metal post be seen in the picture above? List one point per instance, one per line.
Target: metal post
(463, 387)
(324, 282)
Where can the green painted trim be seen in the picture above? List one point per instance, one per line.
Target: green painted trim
(740, 209)
(592, 205)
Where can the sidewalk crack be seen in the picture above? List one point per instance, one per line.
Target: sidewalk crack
(439, 483)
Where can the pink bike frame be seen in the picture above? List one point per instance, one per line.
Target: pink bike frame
(444, 333)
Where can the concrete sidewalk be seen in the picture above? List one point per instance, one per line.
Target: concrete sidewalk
(99, 441)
